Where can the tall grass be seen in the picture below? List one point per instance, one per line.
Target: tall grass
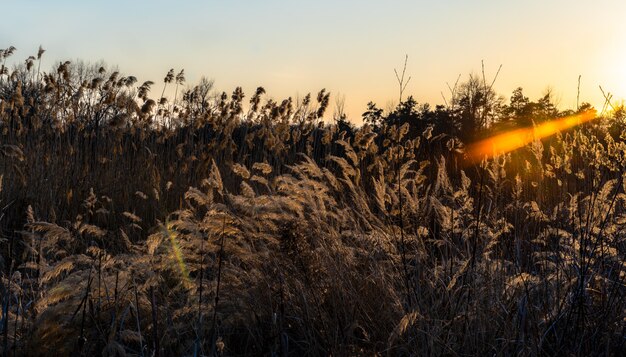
(130, 227)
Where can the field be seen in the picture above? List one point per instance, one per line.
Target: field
(214, 224)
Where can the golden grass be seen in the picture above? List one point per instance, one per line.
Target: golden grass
(121, 217)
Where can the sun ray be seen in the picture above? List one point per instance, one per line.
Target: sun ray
(517, 138)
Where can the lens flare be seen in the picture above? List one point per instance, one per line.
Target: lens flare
(515, 139)
(178, 254)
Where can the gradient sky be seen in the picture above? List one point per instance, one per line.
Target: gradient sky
(348, 47)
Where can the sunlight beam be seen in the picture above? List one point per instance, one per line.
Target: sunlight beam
(517, 138)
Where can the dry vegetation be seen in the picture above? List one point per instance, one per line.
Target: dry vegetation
(211, 225)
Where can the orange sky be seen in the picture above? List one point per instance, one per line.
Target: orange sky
(349, 47)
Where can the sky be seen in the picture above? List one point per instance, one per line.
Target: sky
(348, 47)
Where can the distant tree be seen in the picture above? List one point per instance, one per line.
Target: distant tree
(343, 124)
(523, 112)
(405, 112)
(419, 117)
(442, 119)
(519, 110)
(519, 103)
(373, 116)
(477, 106)
(545, 107)
(584, 107)
(340, 117)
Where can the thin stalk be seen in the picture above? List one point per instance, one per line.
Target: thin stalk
(407, 281)
(5, 316)
(138, 319)
(155, 319)
(217, 289)
(198, 343)
(474, 247)
(17, 315)
(83, 304)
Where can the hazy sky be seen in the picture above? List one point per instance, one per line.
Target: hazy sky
(348, 47)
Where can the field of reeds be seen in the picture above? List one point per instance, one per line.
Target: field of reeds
(215, 224)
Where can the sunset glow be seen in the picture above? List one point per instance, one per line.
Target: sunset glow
(350, 47)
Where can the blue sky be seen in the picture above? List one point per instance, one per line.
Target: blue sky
(349, 47)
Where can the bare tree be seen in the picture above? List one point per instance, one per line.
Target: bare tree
(401, 78)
